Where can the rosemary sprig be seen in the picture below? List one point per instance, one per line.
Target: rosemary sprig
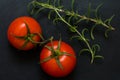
(90, 49)
(96, 20)
(55, 7)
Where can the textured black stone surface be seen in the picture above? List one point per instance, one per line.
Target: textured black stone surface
(17, 65)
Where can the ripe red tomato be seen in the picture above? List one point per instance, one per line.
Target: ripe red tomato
(21, 30)
(50, 66)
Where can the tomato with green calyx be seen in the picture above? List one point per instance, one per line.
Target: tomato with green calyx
(57, 59)
(24, 32)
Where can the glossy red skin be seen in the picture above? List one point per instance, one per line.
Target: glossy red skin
(18, 28)
(51, 67)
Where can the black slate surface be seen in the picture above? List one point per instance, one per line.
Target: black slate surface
(17, 65)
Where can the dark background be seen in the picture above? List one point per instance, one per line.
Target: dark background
(18, 65)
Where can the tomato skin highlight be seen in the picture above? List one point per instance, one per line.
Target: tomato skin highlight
(51, 67)
(18, 28)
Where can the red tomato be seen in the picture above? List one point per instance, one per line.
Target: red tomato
(51, 67)
(18, 29)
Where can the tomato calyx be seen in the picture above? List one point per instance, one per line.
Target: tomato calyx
(56, 53)
(29, 37)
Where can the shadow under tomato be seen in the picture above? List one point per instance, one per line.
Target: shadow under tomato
(47, 77)
(25, 56)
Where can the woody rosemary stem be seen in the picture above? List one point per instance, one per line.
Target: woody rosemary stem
(71, 13)
(82, 37)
